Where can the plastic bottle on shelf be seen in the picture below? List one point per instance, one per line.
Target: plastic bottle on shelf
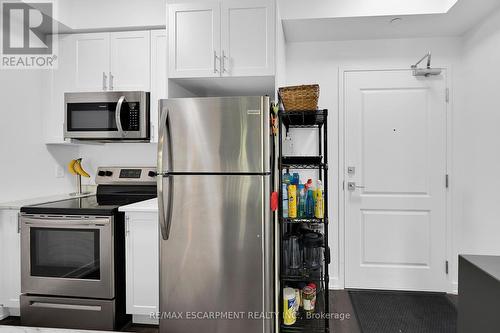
(319, 207)
(284, 194)
(292, 201)
(289, 306)
(301, 201)
(295, 179)
(310, 203)
(287, 178)
(308, 184)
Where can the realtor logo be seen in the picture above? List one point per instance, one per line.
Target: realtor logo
(27, 35)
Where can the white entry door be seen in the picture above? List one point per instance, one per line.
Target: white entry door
(395, 217)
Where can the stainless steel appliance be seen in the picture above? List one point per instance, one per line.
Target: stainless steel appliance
(73, 254)
(107, 116)
(214, 187)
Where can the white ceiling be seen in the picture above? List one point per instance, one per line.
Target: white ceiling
(459, 19)
(300, 9)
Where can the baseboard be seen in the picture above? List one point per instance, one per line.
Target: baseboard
(4, 313)
(454, 288)
(335, 284)
(144, 319)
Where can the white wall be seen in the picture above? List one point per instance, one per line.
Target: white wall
(319, 62)
(27, 165)
(117, 154)
(111, 14)
(300, 9)
(477, 141)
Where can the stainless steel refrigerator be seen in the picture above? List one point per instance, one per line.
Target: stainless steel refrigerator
(216, 246)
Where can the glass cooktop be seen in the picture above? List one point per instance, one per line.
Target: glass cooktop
(92, 205)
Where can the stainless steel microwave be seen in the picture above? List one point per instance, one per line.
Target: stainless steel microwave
(107, 116)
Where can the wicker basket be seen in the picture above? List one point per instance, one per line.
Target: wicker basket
(300, 98)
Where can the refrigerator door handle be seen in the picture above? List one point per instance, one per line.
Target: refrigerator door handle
(165, 217)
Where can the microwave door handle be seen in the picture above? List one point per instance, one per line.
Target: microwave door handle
(165, 218)
(118, 114)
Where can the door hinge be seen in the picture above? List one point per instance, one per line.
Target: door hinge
(447, 181)
(447, 95)
(446, 268)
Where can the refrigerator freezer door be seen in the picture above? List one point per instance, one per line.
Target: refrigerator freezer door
(214, 135)
(218, 257)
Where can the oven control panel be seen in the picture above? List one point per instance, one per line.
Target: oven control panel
(126, 175)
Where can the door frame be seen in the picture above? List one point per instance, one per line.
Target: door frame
(450, 234)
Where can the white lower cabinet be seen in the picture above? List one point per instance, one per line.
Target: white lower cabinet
(142, 265)
(10, 263)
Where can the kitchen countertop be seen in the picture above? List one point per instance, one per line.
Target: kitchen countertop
(142, 206)
(26, 329)
(36, 201)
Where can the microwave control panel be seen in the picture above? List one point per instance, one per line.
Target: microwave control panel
(133, 120)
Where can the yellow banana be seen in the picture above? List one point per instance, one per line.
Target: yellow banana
(71, 167)
(79, 169)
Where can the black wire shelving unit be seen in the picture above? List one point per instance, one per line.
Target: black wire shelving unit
(315, 120)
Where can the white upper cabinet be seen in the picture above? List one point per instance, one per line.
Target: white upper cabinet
(248, 38)
(159, 82)
(112, 61)
(92, 61)
(222, 38)
(130, 61)
(194, 39)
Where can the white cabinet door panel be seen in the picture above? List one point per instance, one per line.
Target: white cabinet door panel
(10, 281)
(194, 43)
(142, 263)
(130, 61)
(159, 82)
(248, 38)
(92, 61)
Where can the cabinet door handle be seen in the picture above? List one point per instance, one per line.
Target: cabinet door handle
(224, 62)
(111, 78)
(215, 62)
(104, 81)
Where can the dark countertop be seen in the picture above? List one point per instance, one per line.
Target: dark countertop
(489, 264)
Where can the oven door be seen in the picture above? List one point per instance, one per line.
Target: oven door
(107, 116)
(67, 256)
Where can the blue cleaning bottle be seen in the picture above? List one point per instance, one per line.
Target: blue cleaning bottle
(302, 201)
(310, 203)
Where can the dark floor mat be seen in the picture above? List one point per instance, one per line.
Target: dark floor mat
(403, 312)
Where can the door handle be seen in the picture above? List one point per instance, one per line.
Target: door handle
(165, 217)
(215, 62)
(351, 186)
(224, 62)
(118, 114)
(104, 81)
(111, 78)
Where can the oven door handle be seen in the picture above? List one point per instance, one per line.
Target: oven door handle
(65, 223)
(46, 221)
(118, 116)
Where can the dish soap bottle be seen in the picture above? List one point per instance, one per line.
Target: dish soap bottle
(301, 201)
(310, 203)
(284, 194)
(319, 208)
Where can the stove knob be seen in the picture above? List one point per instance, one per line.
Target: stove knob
(109, 173)
(101, 173)
(152, 174)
